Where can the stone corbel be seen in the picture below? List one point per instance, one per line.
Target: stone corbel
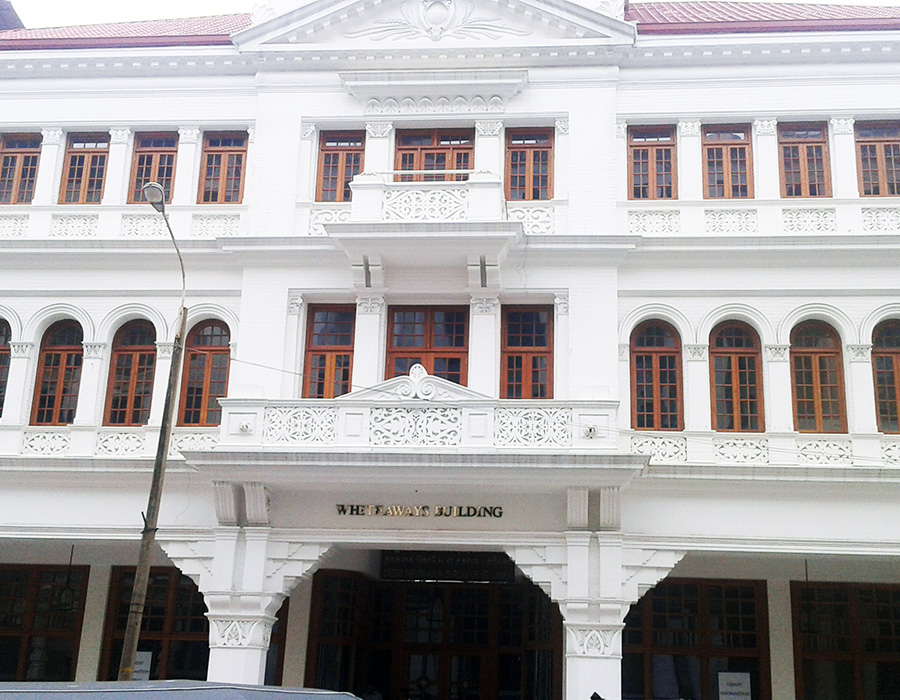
(644, 568)
(546, 566)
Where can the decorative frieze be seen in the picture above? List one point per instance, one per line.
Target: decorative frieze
(654, 222)
(660, 448)
(44, 442)
(234, 632)
(120, 443)
(538, 219)
(13, 225)
(741, 450)
(437, 204)
(435, 427)
(192, 442)
(438, 105)
(379, 130)
(492, 128)
(188, 135)
(730, 221)
(143, 226)
(319, 217)
(533, 427)
(881, 219)
(215, 225)
(809, 220)
(765, 127)
(824, 451)
(299, 425)
(484, 305)
(75, 226)
(860, 353)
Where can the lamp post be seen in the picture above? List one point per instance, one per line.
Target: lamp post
(156, 196)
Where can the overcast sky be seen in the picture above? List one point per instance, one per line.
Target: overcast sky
(55, 13)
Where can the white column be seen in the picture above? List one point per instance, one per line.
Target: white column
(561, 346)
(89, 391)
(779, 404)
(115, 187)
(861, 394)
(768, 183)
(368, 345)
(484, 345)
(306, 177)
(160, 381)
(292, 384)
(92, 627)
(184, 190)
(561, 157)
(696, 388)
(252, 168)
(45, 185)
(781, 640)
(621, 161)
(379, 156)
(489, 147)
(690, 162)
(17, 401)
(844, 182)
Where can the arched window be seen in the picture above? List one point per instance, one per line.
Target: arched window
(5, 335)
(205, 373)
(886, 366)
(735, 365)
(59, 375)
(818, 379)
(656, 377)
(131, 372)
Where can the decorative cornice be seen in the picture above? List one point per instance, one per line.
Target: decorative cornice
(484, 305)
(379, 130)
(765, 126)
(119, 136)
(778, 353)
(562, 126)
(93, 351)
(621, 129)
(370, 305)
(696, 352)
(561, 302)
(843, 126)
(492, 128)
(860, 353)
(19, 349)
(188, 135)
(51, 137)
(691, 128)
(307, 130)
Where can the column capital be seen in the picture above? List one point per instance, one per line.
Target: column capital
(697, 352)
(860, 353)
(379, 130)
(778, 353)
(251, 134)
(484, 305)
(369, 305)
(164, 350)
(20, 349)
(51, 137)
(594, 640)
(307, 130)
(562, 126)
(188, 134)
(295, 304)
(492, 128)
(689, 128)
(119, 136)
(561, 302)
(621, 129)
(843, 125)
(93, 351)
(764, 126)
(241, 619)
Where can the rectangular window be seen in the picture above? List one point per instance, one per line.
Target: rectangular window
(341, 156)
(84, 169)
(41, 612)
(651, 162)
(878, 158)
(527, 353)
(19, 154)
(329, 351)
(444, 151)
(804, 160)
(222, 168)
(435, 337)
(154, 161)
(529, 164)
(726, 150)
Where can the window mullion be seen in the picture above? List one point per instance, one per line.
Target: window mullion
(817, 391)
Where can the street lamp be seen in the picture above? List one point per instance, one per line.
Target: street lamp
(156, 196)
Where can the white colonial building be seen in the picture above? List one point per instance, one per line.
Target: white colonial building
(536, 348)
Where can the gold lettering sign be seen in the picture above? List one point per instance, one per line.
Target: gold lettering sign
(420, 511)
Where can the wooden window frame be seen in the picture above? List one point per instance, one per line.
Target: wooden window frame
(879, 143)
(5, 357)
(705, 649)
(656, 353)
(636, 132)
(225, 152)
(428, 353)
(529, 151)
(756, 353)
(343, 193)
(28, 629)
(136, 352)
(330, 352)
(191, 350)
(884, 352)
(135, 192)
(9, 149)
(72, 172)
(817, 354)
(529, 353)
(804, 144)
(855, 654)
(418, 153)
(65, 352)
(727, 146)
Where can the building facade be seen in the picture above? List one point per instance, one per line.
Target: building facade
(536, 349)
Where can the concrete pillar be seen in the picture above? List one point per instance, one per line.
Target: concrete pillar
(116, 181)
(184, 190)
(379, 155)
(368, 345)
(690, 161)
(240, 626)
(561, 158)
(17, 402)
(561, 346)
(861, 390)
(697, 412)
(484, 345)
(308, 159)
(489, 147)
(296, 635)
(621, 162)
(779, 403)
(781, 640)
(160, 381)
(768, 184)
(90, 394)
(294, 338)
(92, 628)
(45, 187)
(844, 182)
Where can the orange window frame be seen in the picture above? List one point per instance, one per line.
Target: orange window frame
(84, 172)
(427, 354)
(886, 374)
(416, 148)
(57, 405)
(328, 367)
(223, 153)
(20, 155)
(154, 158)
(523, 358)
(803, 138)
(818, 361)
(735, 144)
(672, 355)
(878, 142)
(750, 355)
(129, 367)
(660, 144)
(529, 160)
(341, 158)
(5, 337)
(201, 363)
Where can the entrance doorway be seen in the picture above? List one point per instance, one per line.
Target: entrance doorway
(433, 640)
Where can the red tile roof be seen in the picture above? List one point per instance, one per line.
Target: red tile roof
(700, 17)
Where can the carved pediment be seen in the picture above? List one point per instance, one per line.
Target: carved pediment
(417, 386)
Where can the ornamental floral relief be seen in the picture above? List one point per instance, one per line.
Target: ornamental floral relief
(537, 219)
(187, 442)
(416, 426)
(318, 218)
(533, 427)
(299, 425)
(13, 226)
(120, 443)
(20, 349)
(881, 219)
(143, 226)
(654, 222)
(824, 451)
(890, 450)
(730, 220)
(48, 443)
(809, 220)
(234, 633)
(594, 640)
(860, 353)
(741, 451)
(660, 449)
(215, 225)
(425, 205)
(436, 105)
(75, 226)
